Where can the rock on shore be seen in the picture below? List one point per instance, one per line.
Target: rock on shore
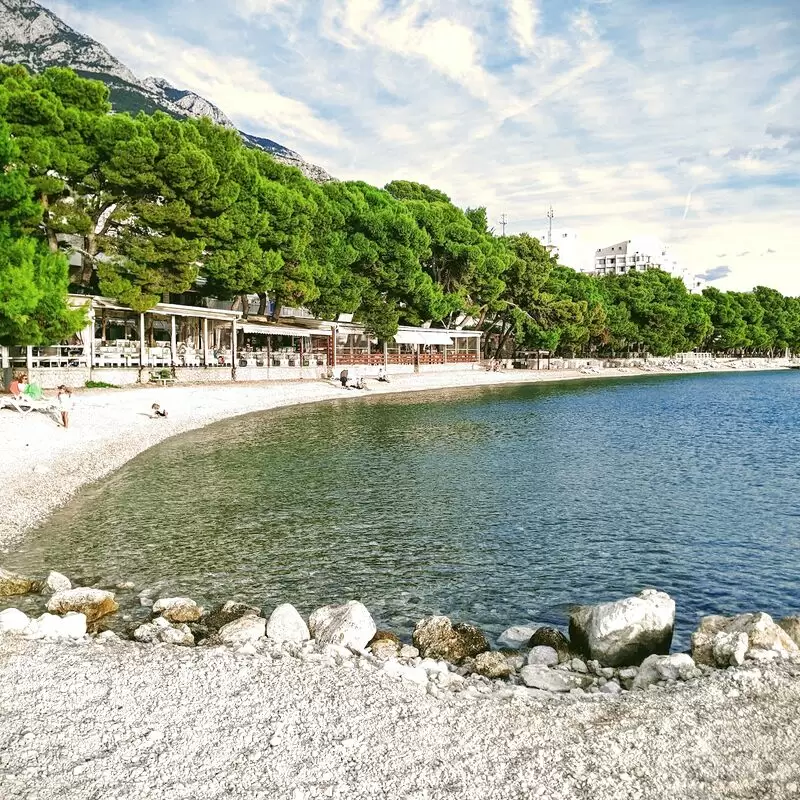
(624, 632)
(439, 638)
(94, 603)
(726, 641)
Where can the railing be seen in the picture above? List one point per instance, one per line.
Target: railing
(67, 355)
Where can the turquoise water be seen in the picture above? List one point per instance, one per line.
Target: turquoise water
(496, 506)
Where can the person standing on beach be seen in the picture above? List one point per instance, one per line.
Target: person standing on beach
(65, 404)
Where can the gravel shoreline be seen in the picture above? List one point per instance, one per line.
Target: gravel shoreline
(93, 719)
(128, 721)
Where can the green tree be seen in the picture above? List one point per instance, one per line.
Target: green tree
(33, 281)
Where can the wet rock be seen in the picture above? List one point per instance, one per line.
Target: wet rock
(664, 668)
(543, 655)
(56, 582)
(286, 625)
(243, 630)
(437, 637)
(550, 680)
(94, 603)
(516, 636)
(551, 637)
(626, 631)
(350, 625)
(12, 620)
(12, 584)
(221, 615)
(791, 625)
(492, 665)
(178, 609)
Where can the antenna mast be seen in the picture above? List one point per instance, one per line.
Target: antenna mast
(503, 222)
(550, 215)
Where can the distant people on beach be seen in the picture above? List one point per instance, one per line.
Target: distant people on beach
(17, 386)
(343, 378)
(65, 404)
(157, 411)
(382, 376)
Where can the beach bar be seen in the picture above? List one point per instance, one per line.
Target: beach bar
(172, 342)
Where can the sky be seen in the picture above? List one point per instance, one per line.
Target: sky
(675, 119)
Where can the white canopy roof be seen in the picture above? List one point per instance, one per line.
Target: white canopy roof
(409, 337)
(280, 330)
(436, 337)
(422, 337)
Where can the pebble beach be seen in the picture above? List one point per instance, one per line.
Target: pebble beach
(95, 717)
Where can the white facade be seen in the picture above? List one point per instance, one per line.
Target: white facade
(563, 243)
(635, 255)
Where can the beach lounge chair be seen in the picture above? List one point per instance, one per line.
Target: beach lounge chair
(24, 404)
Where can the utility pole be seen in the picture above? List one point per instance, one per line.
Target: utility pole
(503, 222)
(550, 215)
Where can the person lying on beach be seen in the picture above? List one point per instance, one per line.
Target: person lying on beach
(157, 411)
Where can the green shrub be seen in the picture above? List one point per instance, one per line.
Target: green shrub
(100, 385)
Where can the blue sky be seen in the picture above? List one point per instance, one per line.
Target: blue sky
(674, 119)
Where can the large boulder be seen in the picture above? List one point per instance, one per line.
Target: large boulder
(244, 630)
(12, 620)
(12, 584)
(726, 641)
(94, 603)
(178, 609)
(654, 669)
(792, 627)
(438, 638)
(350, 625)
(624, 632)
(551, 637)
(553, 680)
(286, 625)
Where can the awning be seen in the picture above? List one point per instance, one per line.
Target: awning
(280, 330)
(175, 310)
(436, 337)
(409, 337)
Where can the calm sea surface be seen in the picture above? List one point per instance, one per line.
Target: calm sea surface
(495, 506)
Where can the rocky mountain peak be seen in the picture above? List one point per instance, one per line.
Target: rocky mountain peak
(35, 37)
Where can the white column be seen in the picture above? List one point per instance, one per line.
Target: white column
(29, 357)
(233, 343)
(5, 357)
(205, 342)
(143, 360)
(173, 341)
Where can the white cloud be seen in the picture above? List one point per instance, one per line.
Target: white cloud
(523, 18)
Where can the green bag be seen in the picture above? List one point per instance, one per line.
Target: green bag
(34, 391)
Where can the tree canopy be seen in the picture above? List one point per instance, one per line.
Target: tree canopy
(157, 206)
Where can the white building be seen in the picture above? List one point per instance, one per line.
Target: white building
(564, 244)
(635, 255)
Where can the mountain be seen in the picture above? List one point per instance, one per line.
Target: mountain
(33, 36)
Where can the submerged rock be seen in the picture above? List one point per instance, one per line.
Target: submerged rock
(12, 584)
(437, 637)
(286, 625)
(178, 609)
(551, 637)
(56, 582)
(516, 636)
(349, 625)
(94, 603)
(626, 631)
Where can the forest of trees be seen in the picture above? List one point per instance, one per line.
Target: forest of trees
(159, 206)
